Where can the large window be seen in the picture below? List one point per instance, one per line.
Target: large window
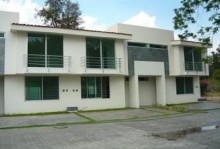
(42, 88)
(100, 53)
(45, 50)
(95, 87)
(193, 59)
(184, 85)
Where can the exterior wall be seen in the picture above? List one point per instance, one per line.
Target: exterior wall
(149, 70)
(2, 55)
(173, 98)
(127, 94)
(177, 63)
(10, 48)
(147, 54)
(75, 47)
(1, 95)
(145, 34)
(147, 92)
(15, 85)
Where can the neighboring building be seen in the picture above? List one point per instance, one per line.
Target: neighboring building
(46, 69)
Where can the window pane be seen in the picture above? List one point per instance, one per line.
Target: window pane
(198, 60)
(50, 88)
(33, 88)
(188, 56)
(93, 53)
(54, 51)
(98, 87)
(84, 87)
(91, 87)
(105, 87)
(108, 53)
(188, 85)
(180, 85)
(36, 50)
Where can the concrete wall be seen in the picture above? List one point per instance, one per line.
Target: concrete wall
(16, 103)
(2, 55)
(145, 34)
(147, 54)
(1, 95)
(147, 92)
(74, 46)
(173, 98)
(143, 68)
(177, 63)
(10, 40)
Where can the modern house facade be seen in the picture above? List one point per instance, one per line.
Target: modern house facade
(47, 69)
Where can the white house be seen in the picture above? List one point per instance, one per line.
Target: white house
(47, 69)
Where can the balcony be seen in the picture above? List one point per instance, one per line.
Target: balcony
(199, 68)
(97, 65)
(35, 63)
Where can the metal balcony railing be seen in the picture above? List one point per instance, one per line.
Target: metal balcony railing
(47, 61)
(101, 63)
(195, 66)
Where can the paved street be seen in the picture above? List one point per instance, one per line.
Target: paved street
(132, 134)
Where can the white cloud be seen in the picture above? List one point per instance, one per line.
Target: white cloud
(26, 8)
(142, 19)
(91, 23)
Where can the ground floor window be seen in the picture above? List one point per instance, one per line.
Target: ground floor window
(184, 85)
(95, 87)
(42, 88)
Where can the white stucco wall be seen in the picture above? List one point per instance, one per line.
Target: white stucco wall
(177, 63)
(145, 34)
(10, 51)
(16, 103)
(147, 68)
(1, 95)
(73, 46)
(173, 98)
(147, 92)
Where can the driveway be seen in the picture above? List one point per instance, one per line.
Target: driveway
(132, 129)
(134, 134)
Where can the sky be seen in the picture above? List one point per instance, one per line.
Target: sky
(102, 14)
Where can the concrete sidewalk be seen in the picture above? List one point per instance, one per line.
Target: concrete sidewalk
(79, 117)
(20, 121)
(202, 106)
(97, 116)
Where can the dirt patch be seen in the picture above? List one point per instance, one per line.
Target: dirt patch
(214, 99)
(172, 136)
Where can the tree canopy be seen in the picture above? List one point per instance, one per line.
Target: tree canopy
(193, 11)
(61, 13)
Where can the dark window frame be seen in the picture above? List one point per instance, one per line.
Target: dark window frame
(184, 85)
(101, 57)
(100, 88)
(46, 54)
(48, 88)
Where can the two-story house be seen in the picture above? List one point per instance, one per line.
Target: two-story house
(47, 69)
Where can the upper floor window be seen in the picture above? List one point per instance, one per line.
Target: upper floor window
(147, 45)
(45, 50)
(193, 59)
(2, 35)
(100, 53)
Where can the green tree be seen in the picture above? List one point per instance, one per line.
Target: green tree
(191, 12)
(214, 61)
(61, 13)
